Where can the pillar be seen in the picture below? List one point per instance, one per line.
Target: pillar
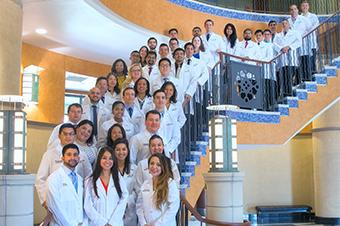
(326, 159)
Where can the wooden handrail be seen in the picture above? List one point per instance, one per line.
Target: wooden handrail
(276, 57)
(198, 216)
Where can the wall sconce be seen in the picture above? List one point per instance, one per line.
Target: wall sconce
(12, 135)
(223, 144)
(30, 83)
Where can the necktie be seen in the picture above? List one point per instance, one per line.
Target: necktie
(74, 180)
(130, 110)
(208, 36)
(103, 99)
(150, 69)
(95, 121)
(284, 33)
(246, 44)
(165, 79)
(162, 114)
(189, 60)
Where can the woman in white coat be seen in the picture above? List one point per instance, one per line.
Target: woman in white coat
(156, 145)
(127, 170)
(158, 200)
(106, 193)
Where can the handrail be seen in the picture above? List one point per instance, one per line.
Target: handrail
(206, 220)
(276, 57)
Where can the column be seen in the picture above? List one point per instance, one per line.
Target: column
(326, 151)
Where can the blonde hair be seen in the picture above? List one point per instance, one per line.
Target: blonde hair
(128, 79)
(162, 186)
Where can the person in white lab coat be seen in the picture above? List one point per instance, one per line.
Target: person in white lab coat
(135, 72)
(143, 52)
(65, 190)
(52, 160)
(74, 113)
(102, 85)
(201, 53)
(212, 41)
(173, 107)
(158, 199)
(95, 110)
(288, 42)
(127, 170)
(248, 48)
(230, 39)
(150, 70)
(152, 44)
(115, 132)
(173, 44)
(132, 114)
(156, 145)
(143, 98)
(106, 194)
(85, 140)
(118, 109)
(112, 94)
(139, 145)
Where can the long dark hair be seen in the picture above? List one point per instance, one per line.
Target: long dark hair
(233, 36)
(127, 165)
(125, 69)
(98, 169)
(89, 141)
(116, 88)
(147, 92)
(109, 141)
(173, 98)
(201, 48)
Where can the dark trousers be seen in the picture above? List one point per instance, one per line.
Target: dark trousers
(313, 61)
(270, 94)
(305, 69)
(285, 81)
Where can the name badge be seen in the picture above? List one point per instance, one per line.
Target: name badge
(146, 190)
(58, 161)
(145, 144)
(64, 184)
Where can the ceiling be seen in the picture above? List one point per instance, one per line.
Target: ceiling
(85, 29)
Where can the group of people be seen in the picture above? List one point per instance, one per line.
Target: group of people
(115, 161)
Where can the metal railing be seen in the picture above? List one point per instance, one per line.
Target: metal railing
(275, 6)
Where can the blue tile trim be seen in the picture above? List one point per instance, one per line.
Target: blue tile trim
(336, 62)
(253, 116)
(311, 87)
(231, 13)
(292, 102)
(330, 71)
(301, 94)
(321, 79)
(283, 109)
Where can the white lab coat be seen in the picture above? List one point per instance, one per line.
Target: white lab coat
(267, 50)
(139, 145)
(227, 46)
(314, 22)
(102, 134)
(159, 81)
(103, 114)
(130, 218)
(50, 162)
(294, 41)
(252, 51)
(143, 174)
(154, 72)
(108, 208)
(63, 201)
(302, 25)
(55, 133)
(91, 151)
(177, 113)
(215, 43)
(147, 211)
(137, 119)
(110, 99)
(148, 104)
(206, 58)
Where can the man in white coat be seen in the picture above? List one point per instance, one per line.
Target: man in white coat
(248, 48)
(132, 113)
(150, 70)
(95, 110)
(51, 161)
(212, 41)
(74, 112)
(139, 143)
(65, 190)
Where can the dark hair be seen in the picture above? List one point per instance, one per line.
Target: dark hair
(272, 21)
(156, 92)
(150, 52)
(196, 28)
(145, 47)
(164, 59)
(155, 136)
(66, 125)
(178, 49)
(109, 141)
(189, 44)
(116, 88)
(265, 30)
(171, 39)
(69, 146)
(173, 98)
(74, 105)
(152, 112)
(125, 68)
(163, 44)
(100, 78)
(98, 169)
(173, 29)
(284, 19)
(209, 20)
(147, 85)
(247, 29)
(116, 103)
(152, 38)
(127, 88)
(258, 31)
(134, 51)
(201, 48)
(127, 165)
(84, 122)
(233, 37)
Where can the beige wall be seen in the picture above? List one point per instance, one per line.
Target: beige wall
(278, 175)
(37, 137)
